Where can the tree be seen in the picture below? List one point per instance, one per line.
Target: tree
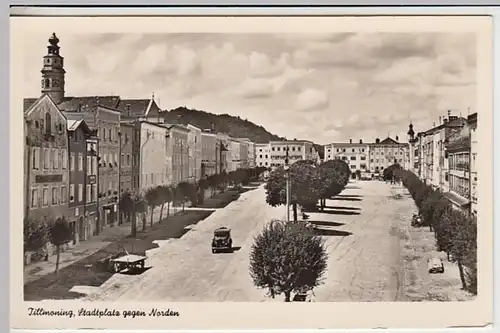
(286, 258)
(203, 184)
(342, 168)
(152, 197)
(389, 174)
(60, 234)
(128, 205)
(164, 196)
(304, 186)
(331, 182)
(183, 192)
(36, 235)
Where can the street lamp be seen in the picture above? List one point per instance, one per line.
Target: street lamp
(287, 181)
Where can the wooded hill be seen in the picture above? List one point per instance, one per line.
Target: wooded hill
(234, 126)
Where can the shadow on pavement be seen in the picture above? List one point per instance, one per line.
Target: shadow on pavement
(137, 271)
(326, 223)
(348, 196)
(352, 187)
(236, 248)
(223, 199)
(340, 212)
(342, 207)
(346, 199)
(331, 232)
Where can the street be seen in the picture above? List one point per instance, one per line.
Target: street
(361, 232)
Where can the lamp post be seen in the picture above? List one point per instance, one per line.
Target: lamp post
(119, 177)
(287, 181)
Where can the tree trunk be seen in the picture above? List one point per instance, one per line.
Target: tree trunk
(58, 250)
(134, 223)
(152, 211)
(295, 212)
(287, 296)
(183, 205)
(161, 211)
(143, 221)
(462, 274)
(168, 209)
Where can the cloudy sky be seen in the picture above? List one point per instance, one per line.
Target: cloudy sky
(320, 87)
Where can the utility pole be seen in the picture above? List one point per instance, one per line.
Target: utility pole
(118, 208)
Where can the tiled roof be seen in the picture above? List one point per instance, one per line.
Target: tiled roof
(138, 107)
(388, 141)
(88, 102)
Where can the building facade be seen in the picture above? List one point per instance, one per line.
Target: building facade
(82, 190)
(208, 153)
(153, 166)
(247, 153)
(177, 154)
(46, 174)
(262, 155)
(195, 152)
(472, 122)
(222, 152)
(387, 152)
(234, 148)
(458, 153)
(126, 136)
(356, 155)
(297, 150)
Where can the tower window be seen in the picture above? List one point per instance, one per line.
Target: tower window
(37, 124)
(48, 124)
(47, 83)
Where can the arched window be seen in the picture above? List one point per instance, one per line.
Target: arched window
(47, 83)
(48, 124)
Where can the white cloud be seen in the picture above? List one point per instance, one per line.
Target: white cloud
(312, 99)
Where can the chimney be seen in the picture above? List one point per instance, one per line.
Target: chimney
(397, 138)
(350, 140)
(127, 107)
(360, 140)
(449, 113)
(445, 120)
(440, 120)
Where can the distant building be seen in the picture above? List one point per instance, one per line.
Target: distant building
(298, 150)
(472, 122)
(195, 152)
(223, 143)
(153, 166)
(208, 153)
(235, 149)
(355, 154)
(140, 109)
(262, 155)
(177, 154)
(387, 152)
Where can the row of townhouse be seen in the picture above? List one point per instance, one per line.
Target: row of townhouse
(82, 153)
(444, 157)
(367, 158)
(273, 154)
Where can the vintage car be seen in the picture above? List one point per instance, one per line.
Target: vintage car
(222, 240)
(435, 265)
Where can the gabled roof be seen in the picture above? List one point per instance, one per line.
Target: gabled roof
(389, 141)
(28, 102)
(41, 100)
(139, 107)
(72, 125)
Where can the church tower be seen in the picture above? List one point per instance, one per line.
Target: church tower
(53, 71)
(411, 142)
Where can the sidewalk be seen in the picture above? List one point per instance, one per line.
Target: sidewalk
(36, 270)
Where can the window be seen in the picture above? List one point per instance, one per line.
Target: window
(36, 158)
(80, 162)
(64, 160)
(88, 197)
(46, 158)
(45, 196)
(89, 165)
(54, 195)
(71, 193)
(363, 150)
(116, 159)
(93, 192)
(64, 194)
(72, 162)
(34, 197)
(363, 158)
(353, 167)
(55, 156)
(343, 150)
(80, 192)
(353, 158)
(48, 124)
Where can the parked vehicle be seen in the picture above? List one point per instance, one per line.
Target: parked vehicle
(222, 240)
(435, 265)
